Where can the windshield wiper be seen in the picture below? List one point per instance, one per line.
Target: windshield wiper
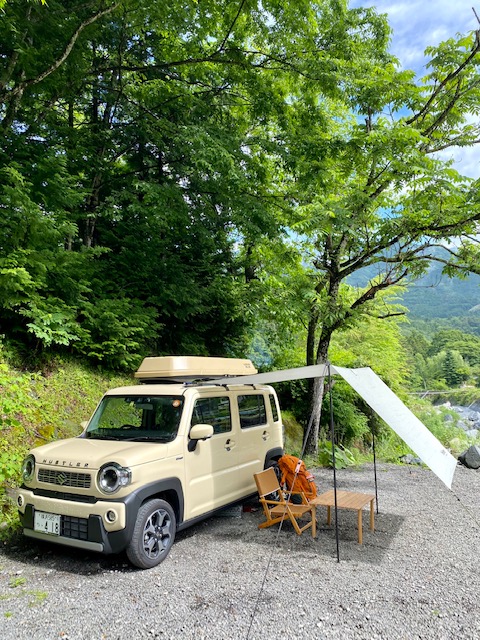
(147, 439)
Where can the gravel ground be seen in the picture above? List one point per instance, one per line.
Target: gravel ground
(416, 576)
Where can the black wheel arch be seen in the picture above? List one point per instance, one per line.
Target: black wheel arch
(168, 489)
(272, 457)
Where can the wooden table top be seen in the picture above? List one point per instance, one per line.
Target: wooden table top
(345, 499)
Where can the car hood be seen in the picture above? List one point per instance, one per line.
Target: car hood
(83, 453)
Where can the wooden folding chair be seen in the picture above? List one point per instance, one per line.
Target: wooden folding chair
(277, 508)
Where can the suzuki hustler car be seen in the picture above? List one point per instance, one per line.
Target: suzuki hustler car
(154, 458)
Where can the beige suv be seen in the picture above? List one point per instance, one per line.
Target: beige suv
(154, 459)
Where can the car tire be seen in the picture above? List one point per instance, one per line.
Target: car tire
(153, 534)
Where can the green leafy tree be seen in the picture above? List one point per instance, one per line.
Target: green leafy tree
(455, 340)
(454, 369)
(372, 187)
(416, 343)
(129, 141)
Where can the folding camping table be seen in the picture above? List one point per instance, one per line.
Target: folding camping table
(347, 500)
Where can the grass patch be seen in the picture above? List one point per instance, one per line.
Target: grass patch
(17, 581)
(37, 597)
(17, 584)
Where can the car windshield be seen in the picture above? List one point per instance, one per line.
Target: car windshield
(136, 418)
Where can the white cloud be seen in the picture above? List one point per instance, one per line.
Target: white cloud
(466, 160)
(417, 24)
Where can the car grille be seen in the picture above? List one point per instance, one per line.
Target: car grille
(63, 495)
(75, 527)
(65, 478)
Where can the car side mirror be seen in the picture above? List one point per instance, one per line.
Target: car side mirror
(199, 432)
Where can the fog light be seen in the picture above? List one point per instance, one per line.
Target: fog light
(20, 501)
(111, 516)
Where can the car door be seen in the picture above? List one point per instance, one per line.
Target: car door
(255, 436)
(211, 467)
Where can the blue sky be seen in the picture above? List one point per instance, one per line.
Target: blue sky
(417, 24)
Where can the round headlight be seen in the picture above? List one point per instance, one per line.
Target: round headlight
(112, 476)
(28, 468)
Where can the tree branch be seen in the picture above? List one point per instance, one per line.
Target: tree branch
(374, 289)
(391, 314)
(68, 49)
(442, 117)
(448, 78)
(224, 41)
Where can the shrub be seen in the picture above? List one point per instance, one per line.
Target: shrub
(343, 457)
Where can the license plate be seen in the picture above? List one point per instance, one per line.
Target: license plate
(47, 523)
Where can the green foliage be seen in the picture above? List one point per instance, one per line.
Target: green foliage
(371, 342)
(168, 172)
(343, 457)
(454, 340)
(466, 324)
(448, 361)
(37, 407)
(390, 447)
(173, 174)
(116, 332)
(376, 343)
(17, 581)
(127, 203)
(436, 296)
(350, 420)
(372, 193)
(454, 369)
(52, 322)
(293, 434)
(451, 436)
(15, 410)
(10, 462)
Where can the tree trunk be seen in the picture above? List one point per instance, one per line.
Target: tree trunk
(312, 328)
(316, 398)
(312, 433)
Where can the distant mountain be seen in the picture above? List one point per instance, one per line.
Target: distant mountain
(434, 295)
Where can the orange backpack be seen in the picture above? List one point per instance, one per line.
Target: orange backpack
(295, 476)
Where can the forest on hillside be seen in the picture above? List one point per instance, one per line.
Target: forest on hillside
(208, 178)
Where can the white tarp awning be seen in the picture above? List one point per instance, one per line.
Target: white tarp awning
(383, 401)
(399, 417)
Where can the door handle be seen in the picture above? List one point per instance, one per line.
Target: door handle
(229, 444)
(265, 435)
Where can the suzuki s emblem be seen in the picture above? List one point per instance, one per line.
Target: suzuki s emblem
(61, 478)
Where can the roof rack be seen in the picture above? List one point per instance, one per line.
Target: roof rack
(171, 369)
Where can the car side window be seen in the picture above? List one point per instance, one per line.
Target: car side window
(214, 411)
(273, 405)
(251, 409)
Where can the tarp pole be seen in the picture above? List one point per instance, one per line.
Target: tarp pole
(332, 434)
(375, 465)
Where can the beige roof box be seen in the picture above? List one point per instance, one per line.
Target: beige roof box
(190, 368)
